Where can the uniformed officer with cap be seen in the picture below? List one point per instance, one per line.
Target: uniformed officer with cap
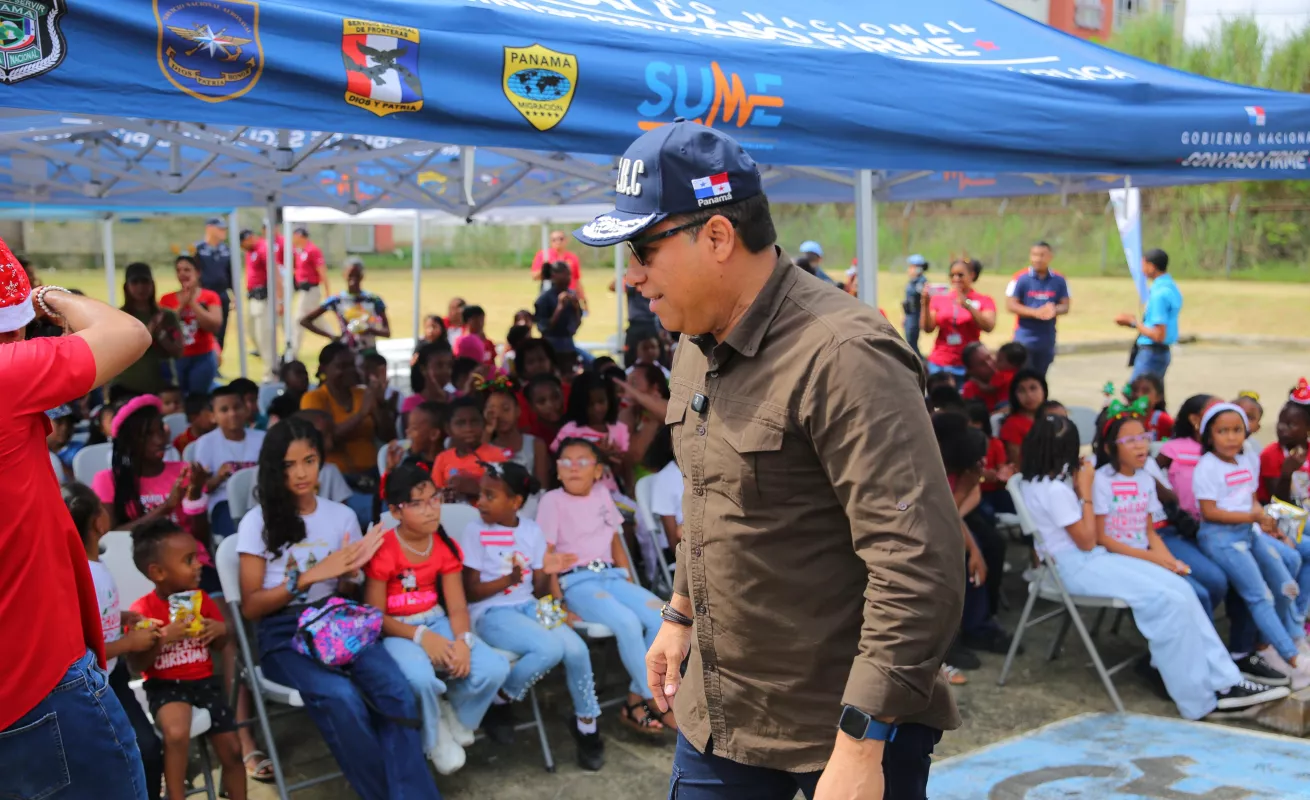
(215, 261)
(820, 576)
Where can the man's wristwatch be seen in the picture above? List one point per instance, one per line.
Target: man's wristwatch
(859, 725)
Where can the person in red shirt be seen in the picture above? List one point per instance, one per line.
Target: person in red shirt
(981, 378)
(200, 311)
(179, 669)
(960, 316)
(558, 251)
(1158, 422)
(54, 676)
(474, 343)
(1284, 466)
(460, 468)
(311, 281)
(1028, 394)
(262, 320)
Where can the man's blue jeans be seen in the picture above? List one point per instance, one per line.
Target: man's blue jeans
(77, 743)
(912, 332)
(705, 776)
(1152, 361)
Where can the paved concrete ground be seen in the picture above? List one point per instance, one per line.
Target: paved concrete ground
(1038, 691)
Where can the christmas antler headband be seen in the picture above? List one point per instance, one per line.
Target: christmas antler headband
(1301, 393)
(1118, 410)
(501, 383)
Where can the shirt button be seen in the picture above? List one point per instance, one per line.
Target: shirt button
(696, 551)
(714, 374)
(700, 609)
(698, 491)
(902, 506)
(700, 430)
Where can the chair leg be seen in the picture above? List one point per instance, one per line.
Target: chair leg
(1096, 626)
(546, 755)
(1118, 620)
(1058, 641)
(1091, 651)
(1018, 635)
(207, 767)
(247, 667)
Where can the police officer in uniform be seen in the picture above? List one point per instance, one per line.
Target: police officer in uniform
(215, 260)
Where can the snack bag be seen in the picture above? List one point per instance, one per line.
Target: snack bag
(185, 606)
(1291, 519)
(550, 613)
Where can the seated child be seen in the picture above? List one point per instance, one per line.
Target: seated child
(593, 414)
(997, 469)
(200, 420)
(376, 369)
(1028, 393)
(295, 378)
(171, 399)
(649, 350)
(91, 519)
(581, 520)
(1250, 403)
(1195, 666)
(63, 420)
(248, 391)
(459, 470)
(502, 413)
(1158, 422)
(461, 375)
(984, 381)
(544, 398)
(506, 568)
(178, 667)
(1284, 467)
(231, 447)
(416, 579)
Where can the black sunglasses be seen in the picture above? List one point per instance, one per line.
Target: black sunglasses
(638, 246)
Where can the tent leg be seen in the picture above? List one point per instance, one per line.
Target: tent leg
(238, 293)
(270, 264)
(418, 273)
(866, 236)
(107, 245)
(621, 300)
(288, 290)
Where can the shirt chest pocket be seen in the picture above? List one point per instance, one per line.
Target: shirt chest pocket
(745, 460)
(674, 417)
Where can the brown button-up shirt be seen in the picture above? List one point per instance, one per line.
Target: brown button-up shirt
(822, 547)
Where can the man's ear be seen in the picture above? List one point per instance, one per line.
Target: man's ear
(721, 236)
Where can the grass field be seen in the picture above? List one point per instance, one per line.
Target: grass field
(1270, 309)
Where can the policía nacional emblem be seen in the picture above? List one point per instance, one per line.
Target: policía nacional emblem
(209, 49)
(540, 83)
(381, 66)
(31, 43)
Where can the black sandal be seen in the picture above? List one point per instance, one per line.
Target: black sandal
(646, 726)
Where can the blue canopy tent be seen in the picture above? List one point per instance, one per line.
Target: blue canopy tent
(948, 98)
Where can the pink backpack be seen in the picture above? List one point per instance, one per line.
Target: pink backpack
(334, 631)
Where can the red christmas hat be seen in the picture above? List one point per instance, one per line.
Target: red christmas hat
(1301, 393)
(15, 293)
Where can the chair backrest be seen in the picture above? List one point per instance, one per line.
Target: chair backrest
(228, 564)
(645, 496)
(92, 459)
(176, 423)
(455, 517)
(189, 454)
(58, 467)
(1015, 487)
(268, 392)
(116, 555)
(997, 419)
(239, 487)
(382, 454)
(1083, 418)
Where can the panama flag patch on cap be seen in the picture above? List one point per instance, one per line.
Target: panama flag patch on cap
(712, 189)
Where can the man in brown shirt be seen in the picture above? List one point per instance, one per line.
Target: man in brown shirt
(821, 574)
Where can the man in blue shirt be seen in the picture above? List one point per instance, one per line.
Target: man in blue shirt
(1158, 330)
(215, 262)
(1036, 296)
(913, 301)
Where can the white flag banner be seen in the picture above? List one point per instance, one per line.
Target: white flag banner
(1128, 216)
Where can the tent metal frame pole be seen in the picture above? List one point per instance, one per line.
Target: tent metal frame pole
(107, 245)
(288, 289)
(866, 236)
(620, 299)
(271, 280)
(238, 295)
(416, 255)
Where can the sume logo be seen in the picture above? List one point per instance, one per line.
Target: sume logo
(710, 96)
(1256, 115)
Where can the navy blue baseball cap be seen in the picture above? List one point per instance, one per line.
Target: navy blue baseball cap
(677, 168)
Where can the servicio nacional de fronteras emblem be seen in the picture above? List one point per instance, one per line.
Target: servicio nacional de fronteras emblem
(381, 66)
(31, 43)
(209, 48)
(540, 83)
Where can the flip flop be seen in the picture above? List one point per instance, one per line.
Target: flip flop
(261, 770)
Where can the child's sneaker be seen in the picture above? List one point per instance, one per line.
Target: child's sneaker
(448, 757)
(1255, 670)
(591, 750)
(462, 735)
(498, 724)
(1303, 647)
(1246, 694)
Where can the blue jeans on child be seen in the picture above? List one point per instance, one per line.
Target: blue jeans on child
(1257, 571)
(76, 743)
(1184, 646)
(470, 697)
(609, 598)
(1207, 578)
(195, 374)
(381, 757)
(515, 629)
(1301, 572)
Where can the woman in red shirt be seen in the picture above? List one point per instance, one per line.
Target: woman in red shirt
(960, 316)
(201, 313)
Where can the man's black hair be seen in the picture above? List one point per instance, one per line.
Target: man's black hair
(1158, 258)
(750, 217)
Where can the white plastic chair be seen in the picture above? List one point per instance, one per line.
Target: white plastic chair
(239, 487)
(647, 520)
(189, 454)
(1045, 584)
(92, 459)
(58, 467)
(1084, 419)
(997, 420)
(176, 423)
(382, 454)
(268, 392)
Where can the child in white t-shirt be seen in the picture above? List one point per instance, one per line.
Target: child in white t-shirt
(1196, 668)
(1225, 483)
(506, 568)
(229, 448)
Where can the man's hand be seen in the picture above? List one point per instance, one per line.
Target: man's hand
(664, 663)
(1047, 312)
(854, 771)
(1126, 321)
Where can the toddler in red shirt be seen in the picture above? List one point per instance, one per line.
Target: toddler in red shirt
(1158, 422)
(179, 669)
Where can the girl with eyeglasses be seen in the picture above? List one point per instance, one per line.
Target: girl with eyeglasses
(581, 519)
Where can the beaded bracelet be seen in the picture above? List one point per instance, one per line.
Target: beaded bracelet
(41, 303)
(193, 508)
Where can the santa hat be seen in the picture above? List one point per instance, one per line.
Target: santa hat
(15, 293)
(1301, 393)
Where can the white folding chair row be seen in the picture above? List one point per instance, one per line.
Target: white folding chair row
(239, 485)
(92, 459)
(646, 520)
(1045, 584)
(1084, 419)
(175, 423)
(58, 467)
(382, 454)
(116, 555)
(268, 392)
(189, 453)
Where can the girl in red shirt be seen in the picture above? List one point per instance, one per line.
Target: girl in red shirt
(1158, 422)
(1028, 393)
(416, 578)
